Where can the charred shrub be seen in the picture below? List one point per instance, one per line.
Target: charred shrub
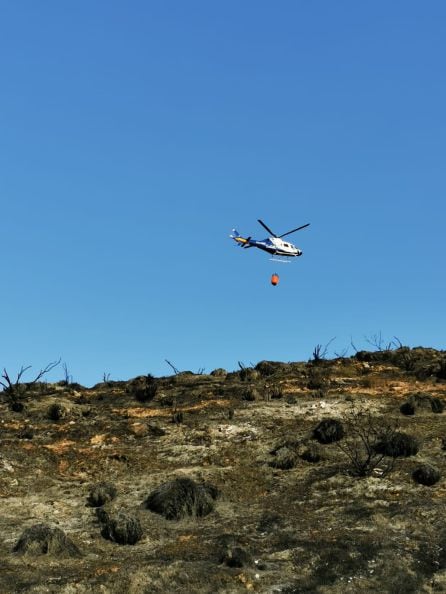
(57, 411)
(182, 497)
(155, 429)
(426, 475)
(26, 433)
(143, 388)
(235, 556)
(437, 405)
(177, 417)
(41, 539)
(421, 401)
(407, 408)
(311, 454)
(121, 527)
(101, 494)
(318, 377)
(248, 374)
(270, 522)
(285, 458)
(268, 368)
(231, 551)
(15, 390)
(250, 394)
(441, 371)
(397, 444)
(328, 431)
(363, 431)
(17, 406)
(274, 392)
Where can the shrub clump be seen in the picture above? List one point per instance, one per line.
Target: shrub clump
(421, 401)
(267, 368)
(407, 408)
(275, 392)
(328, 431)
(318, 378)
(250, 394)
(397, 444)
(41, 539)
(101, 494)
(363, 432)
(426, 475)
(219, 372)
(285, 458)
(311, 454)
(270, 522)
(143, 388)
(182, 497)
(121, 527)
(235, 557)
(437, 405)
(57, 411)
(248, 374)
(26, 432)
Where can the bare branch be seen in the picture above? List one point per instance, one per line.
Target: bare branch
(176, 371)
(342, 354)
(363, 432)
(47, 369)
(397, 342)
(320, 352)
(376, 341)
(21, 372)
(68, 378)
(352, 345)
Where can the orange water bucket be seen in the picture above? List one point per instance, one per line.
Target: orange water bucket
(275, 279)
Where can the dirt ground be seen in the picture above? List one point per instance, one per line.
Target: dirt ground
(291, 514)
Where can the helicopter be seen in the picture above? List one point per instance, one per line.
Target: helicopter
(274, 245)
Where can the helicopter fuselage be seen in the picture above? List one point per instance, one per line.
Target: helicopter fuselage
(276, 247)
(272, 245)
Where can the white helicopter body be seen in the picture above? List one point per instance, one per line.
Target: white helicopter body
(274, 245)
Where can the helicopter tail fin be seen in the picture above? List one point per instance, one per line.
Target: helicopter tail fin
(242, 241)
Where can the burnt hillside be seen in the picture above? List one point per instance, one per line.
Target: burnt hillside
(324, 476)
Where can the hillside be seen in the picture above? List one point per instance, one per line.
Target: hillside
(325, 476)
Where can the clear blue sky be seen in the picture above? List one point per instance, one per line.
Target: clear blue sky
(136, 135)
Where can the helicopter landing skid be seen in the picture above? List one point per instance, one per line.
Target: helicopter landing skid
(280, 260)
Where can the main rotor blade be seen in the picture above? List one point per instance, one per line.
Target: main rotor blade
(294, 230)
(267, 228)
